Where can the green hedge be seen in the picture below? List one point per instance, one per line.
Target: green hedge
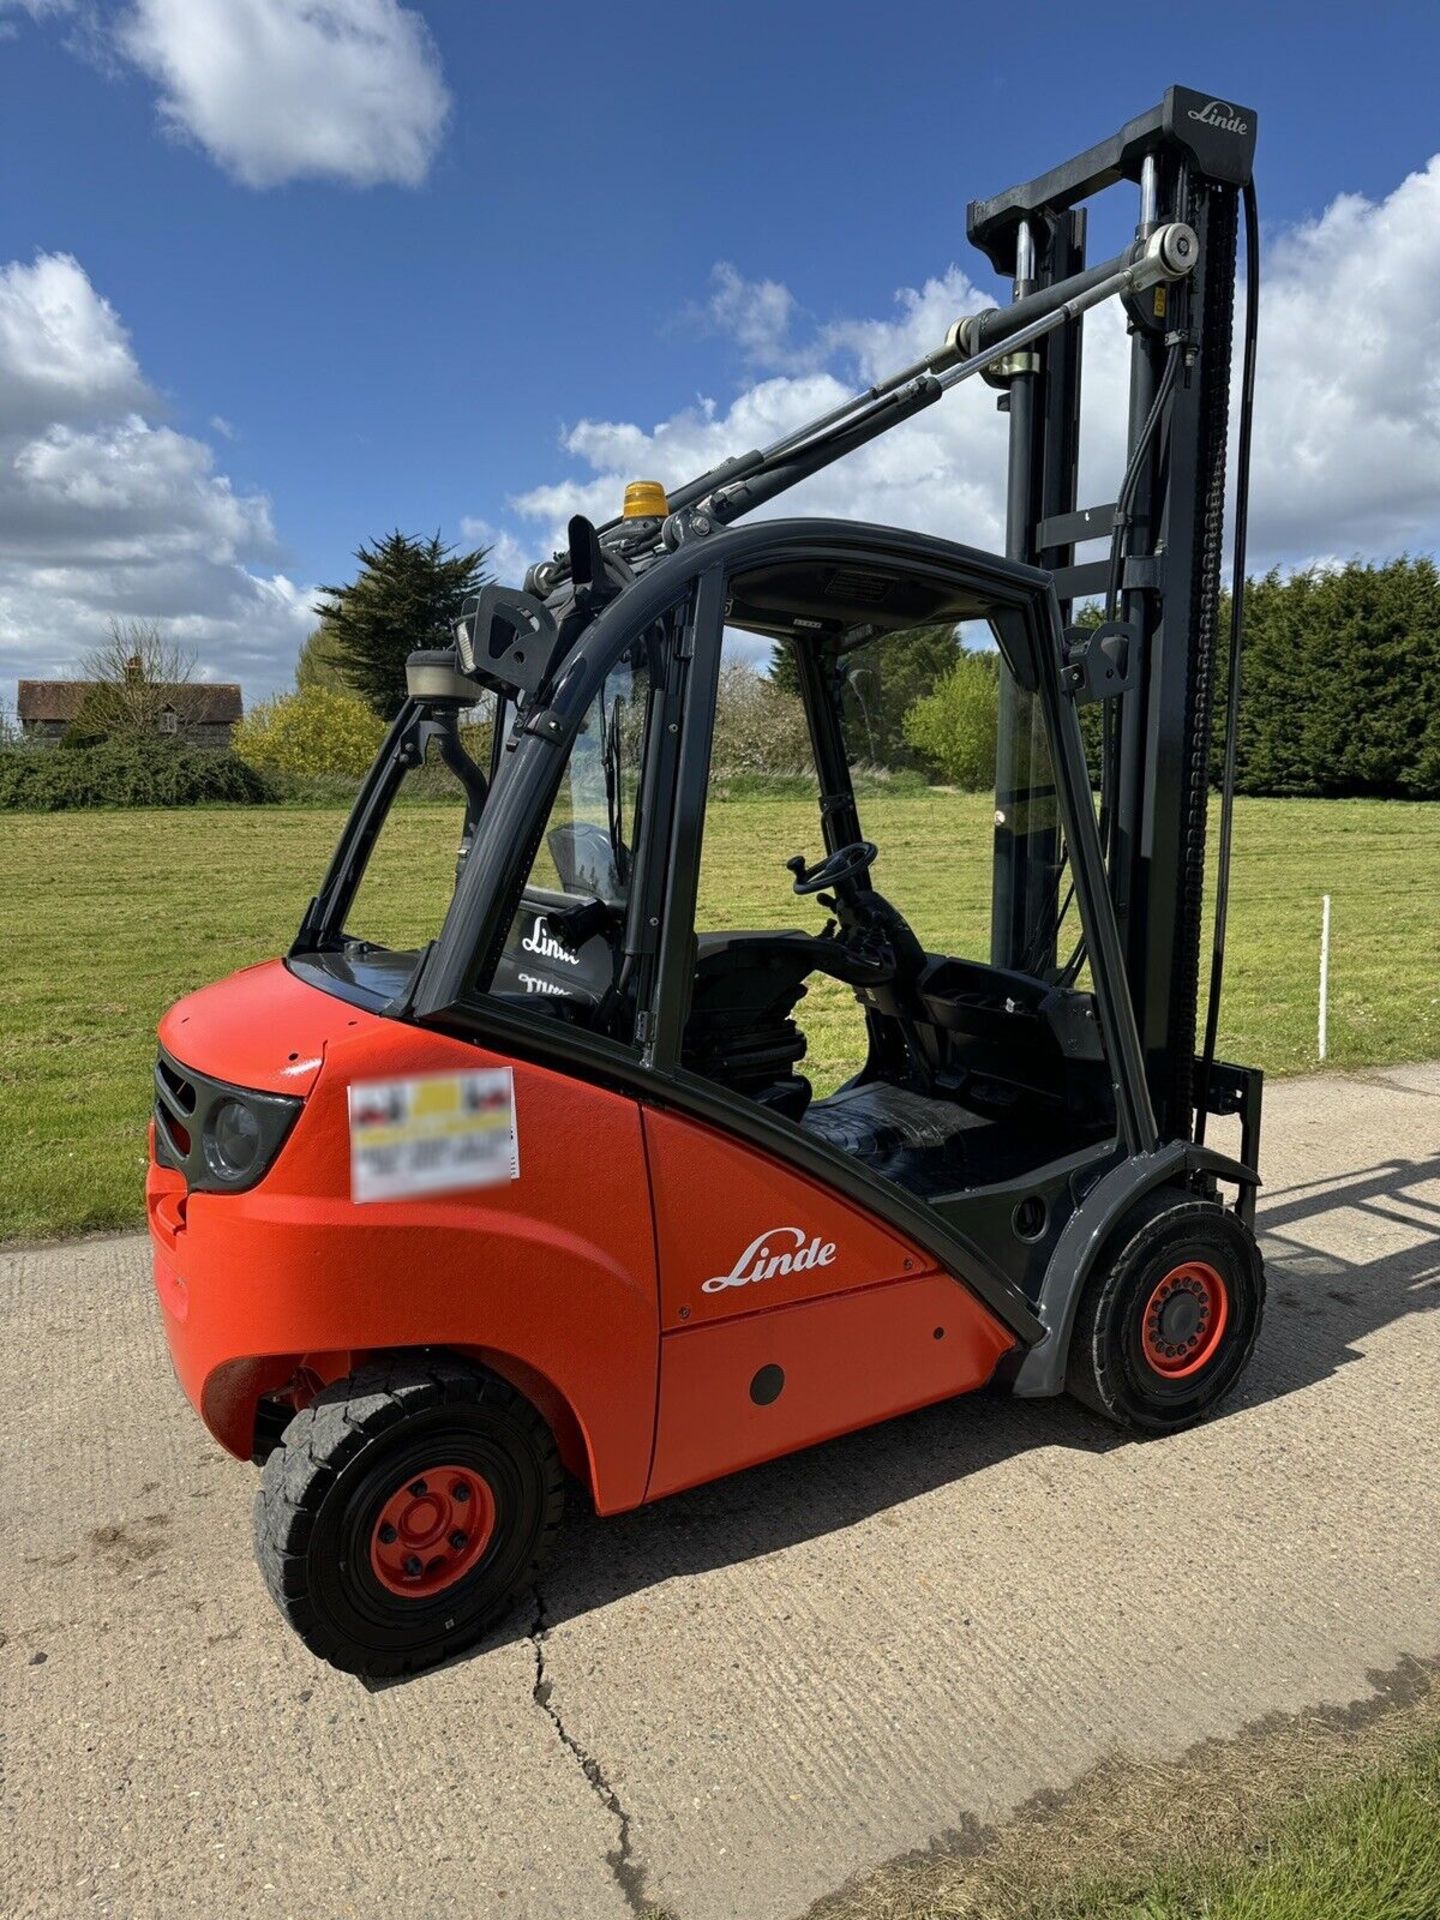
(127, 773)
(1339, 684)
(1340, 687)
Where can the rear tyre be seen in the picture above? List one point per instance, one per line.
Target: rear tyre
(405, 1509)
(1168, 1322)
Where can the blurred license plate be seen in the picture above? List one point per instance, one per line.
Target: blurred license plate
(439, 1133)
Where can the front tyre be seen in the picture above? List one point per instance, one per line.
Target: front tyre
(1169, 1320)
(404, 1510)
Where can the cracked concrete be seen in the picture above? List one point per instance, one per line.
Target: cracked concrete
(726, 1704)
(629, 1875)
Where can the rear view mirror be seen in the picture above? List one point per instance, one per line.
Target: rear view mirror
(507, 640)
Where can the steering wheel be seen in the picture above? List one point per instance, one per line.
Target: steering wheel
(846, 863)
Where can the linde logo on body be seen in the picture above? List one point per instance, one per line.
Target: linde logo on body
(1219, 113)
(760, 1262)
(543, 942)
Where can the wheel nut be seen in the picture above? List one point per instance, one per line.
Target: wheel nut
(460, 1492)
(387, 1533)
(413, 1567)
(418, 1488)
(458, 1539)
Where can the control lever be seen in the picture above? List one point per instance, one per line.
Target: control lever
(573, 926)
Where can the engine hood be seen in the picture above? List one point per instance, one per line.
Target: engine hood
(261, 1028)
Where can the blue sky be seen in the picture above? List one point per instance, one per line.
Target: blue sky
(311, 269)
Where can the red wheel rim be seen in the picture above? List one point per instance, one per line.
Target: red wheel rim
(432, 1530)
(1185, 1320)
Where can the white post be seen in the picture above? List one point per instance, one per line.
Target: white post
(1324, 972)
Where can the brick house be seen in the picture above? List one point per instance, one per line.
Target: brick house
(201, 714)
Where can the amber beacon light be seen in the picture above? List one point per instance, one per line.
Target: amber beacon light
(645, 500)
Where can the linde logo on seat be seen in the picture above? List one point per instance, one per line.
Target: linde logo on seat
(1219, 113)
(759, 1262)
(533, 983)
(543, 942)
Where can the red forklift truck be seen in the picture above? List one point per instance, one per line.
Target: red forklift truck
(545, 1190)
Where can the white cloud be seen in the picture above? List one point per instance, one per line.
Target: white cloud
(63, 350)
(278, 90)
(761, 316)
(1347, 433)
(1348, 412)
(117, 480)
(104, 513)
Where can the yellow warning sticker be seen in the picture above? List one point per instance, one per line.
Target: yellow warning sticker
(438, 1133)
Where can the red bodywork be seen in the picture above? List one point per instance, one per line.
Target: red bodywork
(582, 1281)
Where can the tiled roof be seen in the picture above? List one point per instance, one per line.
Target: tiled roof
(205, 703)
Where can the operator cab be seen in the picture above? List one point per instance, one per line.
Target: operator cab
(939, 1070)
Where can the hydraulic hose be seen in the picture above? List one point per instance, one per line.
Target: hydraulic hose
(1237, 614)
(1125, 503)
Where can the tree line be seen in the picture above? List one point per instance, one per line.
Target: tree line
(1340, 675)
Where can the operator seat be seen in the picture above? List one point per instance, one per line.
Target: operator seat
(740, 1032)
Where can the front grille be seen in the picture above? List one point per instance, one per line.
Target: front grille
(175, 1102)
(174, 1083)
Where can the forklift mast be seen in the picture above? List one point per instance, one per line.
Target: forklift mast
(1191, 159)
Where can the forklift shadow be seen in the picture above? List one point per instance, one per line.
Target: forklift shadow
(858, 1478)
(1344, 1257)
(1322, 1301)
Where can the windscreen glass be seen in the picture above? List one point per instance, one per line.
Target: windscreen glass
(563, 951)
(409, 878)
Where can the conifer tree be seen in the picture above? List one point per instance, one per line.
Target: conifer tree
(408, 593)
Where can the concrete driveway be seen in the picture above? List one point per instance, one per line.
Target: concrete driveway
(730, 1702)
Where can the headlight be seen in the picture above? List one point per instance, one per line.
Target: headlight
(232, 1139)
(223, 1138)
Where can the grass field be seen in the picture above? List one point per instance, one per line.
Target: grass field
(1333, 1815)
(1369, 1850)
(111, 916)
